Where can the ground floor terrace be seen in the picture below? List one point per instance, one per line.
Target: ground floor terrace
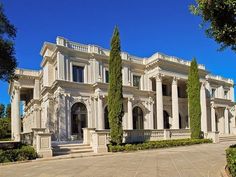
(195, 161)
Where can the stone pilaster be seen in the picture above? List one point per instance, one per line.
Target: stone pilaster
(36, 89)
(159, 102)
(203, 108)
(151, 102)
(213, 118)
(16, 114)
(100, 117)
(130, 114)
(175, 104)
(226, 115)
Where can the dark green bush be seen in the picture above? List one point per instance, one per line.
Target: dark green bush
(19, 154)
(231, 160)
(156, 144)
(5, 128)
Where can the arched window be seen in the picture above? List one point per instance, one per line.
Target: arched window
(166, 120)
(137, 118)
(78, 119)
(106, 120)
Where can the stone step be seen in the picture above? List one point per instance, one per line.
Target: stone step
(56, 153)
(227, 138)
(70, 147)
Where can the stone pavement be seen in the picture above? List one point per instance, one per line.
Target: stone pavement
(191, 161)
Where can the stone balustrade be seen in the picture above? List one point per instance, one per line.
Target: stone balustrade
(135, 136)
(99, 50)
(27, 138)
(95, 49)
(220, 78)
(99, 139)
(27, 72)
(179, 133)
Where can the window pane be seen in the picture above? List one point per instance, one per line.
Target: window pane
(107, 76)
(78, 74)
(213, 93)
(164, 90)
(136, 81)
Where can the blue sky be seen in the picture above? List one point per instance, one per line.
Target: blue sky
(146, 27)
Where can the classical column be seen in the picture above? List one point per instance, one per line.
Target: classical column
(100, 116)
(159, 102)
(36, 89)
(151, 126)
(130, 114)
(175, 104)
(226, 113)
(16, 115)
(12, 115)
(213, 118)
(203, 108)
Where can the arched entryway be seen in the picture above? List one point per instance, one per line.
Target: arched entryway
(79, 119)
(137, 118)
(166, 120)
(106, 119)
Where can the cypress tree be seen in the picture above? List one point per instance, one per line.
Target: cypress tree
(193, 90)
(115, 93)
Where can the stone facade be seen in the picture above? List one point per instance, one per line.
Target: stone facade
(69, 93)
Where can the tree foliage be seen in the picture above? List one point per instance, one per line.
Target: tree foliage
(8, 111)
(219, 19)
(193, 90)
(7, 59)
(115, 92)
(2, 110)
(5, 128)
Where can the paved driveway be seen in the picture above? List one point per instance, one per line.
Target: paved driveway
(192, 161)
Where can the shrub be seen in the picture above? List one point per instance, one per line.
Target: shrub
(231, 160)
(19, 154)
(5, 128)
(156, 144)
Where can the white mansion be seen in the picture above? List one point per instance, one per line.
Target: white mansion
(69, 93)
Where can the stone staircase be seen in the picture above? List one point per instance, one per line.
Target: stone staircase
(72, 148)
(227, 138)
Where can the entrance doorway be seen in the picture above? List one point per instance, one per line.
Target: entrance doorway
(166, 120)
(78, 120)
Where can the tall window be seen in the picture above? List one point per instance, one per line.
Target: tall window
(107, 76)
(136, 81)
(164, 90)
(213, 92)
(106, 119)
(78, 74)
(137, 118)
(226, 94)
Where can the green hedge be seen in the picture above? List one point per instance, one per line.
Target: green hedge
(156, 144)
(231, 159)
(22, 153)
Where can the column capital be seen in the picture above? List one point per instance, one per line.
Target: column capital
(203, 84)
(151, 101)
(158, 77)
(227, 108)
(175, 80)
(213, 106)
(17, 87)
(131, 98)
